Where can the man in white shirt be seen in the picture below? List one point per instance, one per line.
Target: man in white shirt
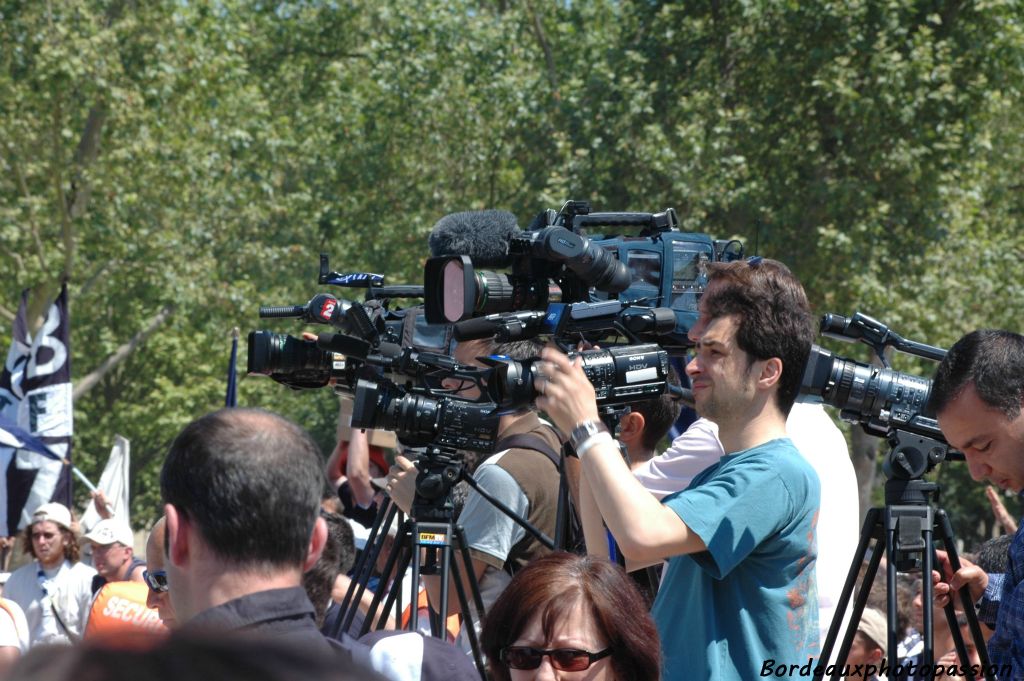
(54, 590)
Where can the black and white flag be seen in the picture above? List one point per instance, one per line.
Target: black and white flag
(35, 395)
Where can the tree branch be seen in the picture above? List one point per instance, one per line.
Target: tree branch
(81, 188)
(57, 177)
(85, 155)
(23, 186)
(91, 281)
(545, 46)
(18, 262)
(122, 353)
(7, 313)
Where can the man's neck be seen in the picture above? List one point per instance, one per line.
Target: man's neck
(508, 420)
(762, 426)
(638, 456)
(214, 585)
(122, 572)
(53, 565)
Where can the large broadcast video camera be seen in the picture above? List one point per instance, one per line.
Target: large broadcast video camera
(885, 403)
(554, 264)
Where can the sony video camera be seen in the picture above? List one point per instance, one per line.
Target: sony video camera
(553, 261)
(886, 403)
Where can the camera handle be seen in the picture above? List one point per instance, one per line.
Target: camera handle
(904, 527)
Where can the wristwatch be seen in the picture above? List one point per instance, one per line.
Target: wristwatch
(584, 431)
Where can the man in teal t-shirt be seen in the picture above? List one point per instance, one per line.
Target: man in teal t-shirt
(751, 594)
(739, 595)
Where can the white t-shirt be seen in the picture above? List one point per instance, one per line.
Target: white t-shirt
(13, 627)
(822, 444)
(68, 593)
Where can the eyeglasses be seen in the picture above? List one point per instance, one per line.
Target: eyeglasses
(157, 580)
(562, 659)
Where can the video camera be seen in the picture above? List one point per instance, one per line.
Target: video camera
(886, 403)
(620, 375)
(660, 266)
(364, 328)
(419, 419)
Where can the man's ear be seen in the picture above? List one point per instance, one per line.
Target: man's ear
(631, 427)
(176, 541)
(771, 373)
(317, 541)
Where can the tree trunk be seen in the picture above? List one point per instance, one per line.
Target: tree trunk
(863, 451)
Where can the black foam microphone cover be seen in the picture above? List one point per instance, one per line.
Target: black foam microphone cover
(483, 235)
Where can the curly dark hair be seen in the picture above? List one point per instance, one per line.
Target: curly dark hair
(774, 316)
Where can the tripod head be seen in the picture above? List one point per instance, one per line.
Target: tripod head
(440, 468)
(910, 458)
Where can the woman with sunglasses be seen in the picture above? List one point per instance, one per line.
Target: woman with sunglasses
(565, 616)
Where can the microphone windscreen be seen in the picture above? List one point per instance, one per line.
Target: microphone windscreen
(483, 235)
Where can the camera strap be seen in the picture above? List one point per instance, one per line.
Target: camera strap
(574, 540)
(528, 441)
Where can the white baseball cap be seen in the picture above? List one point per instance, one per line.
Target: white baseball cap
(53, 512)
(110, 530)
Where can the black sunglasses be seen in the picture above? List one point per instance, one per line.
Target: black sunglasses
(562, 659)
(157, 580)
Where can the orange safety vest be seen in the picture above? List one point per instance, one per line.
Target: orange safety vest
(120, 608)
(454, 622)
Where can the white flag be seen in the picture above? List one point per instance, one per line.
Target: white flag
(114, 485)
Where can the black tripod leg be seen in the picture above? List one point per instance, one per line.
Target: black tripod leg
(460, 591)
(385, 517)
(928, 614)
(395, 594)
(389, 569)
(862, 596)
(891, 606)
(474, 587)
(872, 524)
(945, 529)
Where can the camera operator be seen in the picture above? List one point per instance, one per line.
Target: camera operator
(524, 479)
(740, 589)
(977, 397)
(819, 441)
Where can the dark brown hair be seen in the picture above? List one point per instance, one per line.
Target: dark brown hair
(72, 551)
(774, 316)
(991, 360)
(551, 586)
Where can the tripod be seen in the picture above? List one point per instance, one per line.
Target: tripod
(430, 529)
(905, 527)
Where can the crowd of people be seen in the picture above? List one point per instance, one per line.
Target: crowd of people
(748, 521)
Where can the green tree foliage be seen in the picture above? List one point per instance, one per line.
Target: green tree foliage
(182, 163)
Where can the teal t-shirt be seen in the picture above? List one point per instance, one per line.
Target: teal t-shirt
(752, 595)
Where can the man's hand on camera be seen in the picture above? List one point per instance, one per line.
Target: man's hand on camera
(946, 581)
(566, 394)
(401, 486)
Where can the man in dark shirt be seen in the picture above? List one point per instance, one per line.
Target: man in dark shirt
(242, 496)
